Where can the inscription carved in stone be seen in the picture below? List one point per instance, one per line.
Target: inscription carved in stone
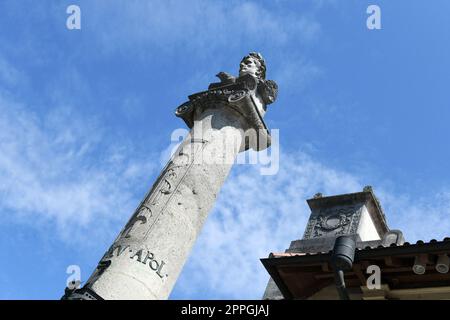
(155, 202)
(141, 255)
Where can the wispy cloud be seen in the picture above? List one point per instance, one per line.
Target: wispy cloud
(55, 168)
(256, 215)
(68, 170)
(208, 32)
(423, 218)
(62, 169)
(197, 26)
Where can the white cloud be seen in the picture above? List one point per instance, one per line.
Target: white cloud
(56, 169)
(198, 27)
(256, 215)
(423, 218)
(62, 169)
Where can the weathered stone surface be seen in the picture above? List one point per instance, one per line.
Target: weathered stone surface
(158, 238)
(148, 255)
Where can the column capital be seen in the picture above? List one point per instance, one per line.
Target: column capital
(248, 95)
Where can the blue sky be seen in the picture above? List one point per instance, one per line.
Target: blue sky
(86, 118)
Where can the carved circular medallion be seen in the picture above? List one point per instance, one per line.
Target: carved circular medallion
(333, 222)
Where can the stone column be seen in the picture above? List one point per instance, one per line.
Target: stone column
(148, 255)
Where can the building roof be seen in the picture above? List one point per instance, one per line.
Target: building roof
(301, 275)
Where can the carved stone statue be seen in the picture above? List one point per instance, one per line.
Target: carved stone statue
(254, 65)
(249, 94)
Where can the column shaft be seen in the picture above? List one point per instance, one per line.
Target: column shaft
(148, 255)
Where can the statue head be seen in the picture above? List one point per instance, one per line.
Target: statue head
(253, 64)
